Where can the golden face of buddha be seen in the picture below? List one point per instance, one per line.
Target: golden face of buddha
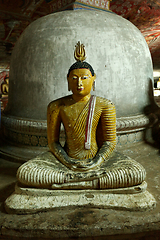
(80, 81)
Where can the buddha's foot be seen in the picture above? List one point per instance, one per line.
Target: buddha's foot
(94, 183)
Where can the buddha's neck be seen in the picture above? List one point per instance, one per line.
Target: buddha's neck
(81, 98)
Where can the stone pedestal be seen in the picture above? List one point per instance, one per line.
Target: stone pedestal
(30, 200)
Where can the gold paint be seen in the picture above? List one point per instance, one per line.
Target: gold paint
(73, 115)
(80, 82)
(5, 86)
(79, 52)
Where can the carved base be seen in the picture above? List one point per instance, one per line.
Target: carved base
(31, 200)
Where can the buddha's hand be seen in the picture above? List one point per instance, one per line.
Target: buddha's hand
(90, 164)
(86, 165)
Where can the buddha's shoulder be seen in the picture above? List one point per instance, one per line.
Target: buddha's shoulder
(60, 102)
(103, 101)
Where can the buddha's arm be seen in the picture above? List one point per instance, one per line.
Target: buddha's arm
(53, 131)
(108, 121)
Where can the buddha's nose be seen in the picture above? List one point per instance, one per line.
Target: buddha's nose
(79, 81)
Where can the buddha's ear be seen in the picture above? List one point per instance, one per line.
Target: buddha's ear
(68, 83)
(94, 86)
(94, 77)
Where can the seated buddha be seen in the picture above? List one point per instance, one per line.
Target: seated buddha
(5, 86)
(87, 160)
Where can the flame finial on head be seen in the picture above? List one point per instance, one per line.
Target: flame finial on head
(79, 52)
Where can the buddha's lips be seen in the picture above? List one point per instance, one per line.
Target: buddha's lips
(80, 89)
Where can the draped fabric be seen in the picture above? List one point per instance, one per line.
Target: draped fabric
(76, 140)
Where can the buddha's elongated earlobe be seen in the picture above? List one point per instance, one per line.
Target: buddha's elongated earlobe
(94, 86)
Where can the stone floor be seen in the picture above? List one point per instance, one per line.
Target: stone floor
(83, 222)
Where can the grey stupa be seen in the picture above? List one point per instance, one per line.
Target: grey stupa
(38, 74)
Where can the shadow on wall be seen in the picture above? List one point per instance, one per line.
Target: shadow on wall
(152, 111)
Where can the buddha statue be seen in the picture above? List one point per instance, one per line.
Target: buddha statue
(5, 86)
(87, 160)
(4, 92)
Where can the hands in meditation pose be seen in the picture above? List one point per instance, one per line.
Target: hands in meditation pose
(87, 160)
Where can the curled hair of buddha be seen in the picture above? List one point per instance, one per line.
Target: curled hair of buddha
(79, 64)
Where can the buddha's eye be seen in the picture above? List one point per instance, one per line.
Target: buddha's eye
(74, 77)
(84, 77)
